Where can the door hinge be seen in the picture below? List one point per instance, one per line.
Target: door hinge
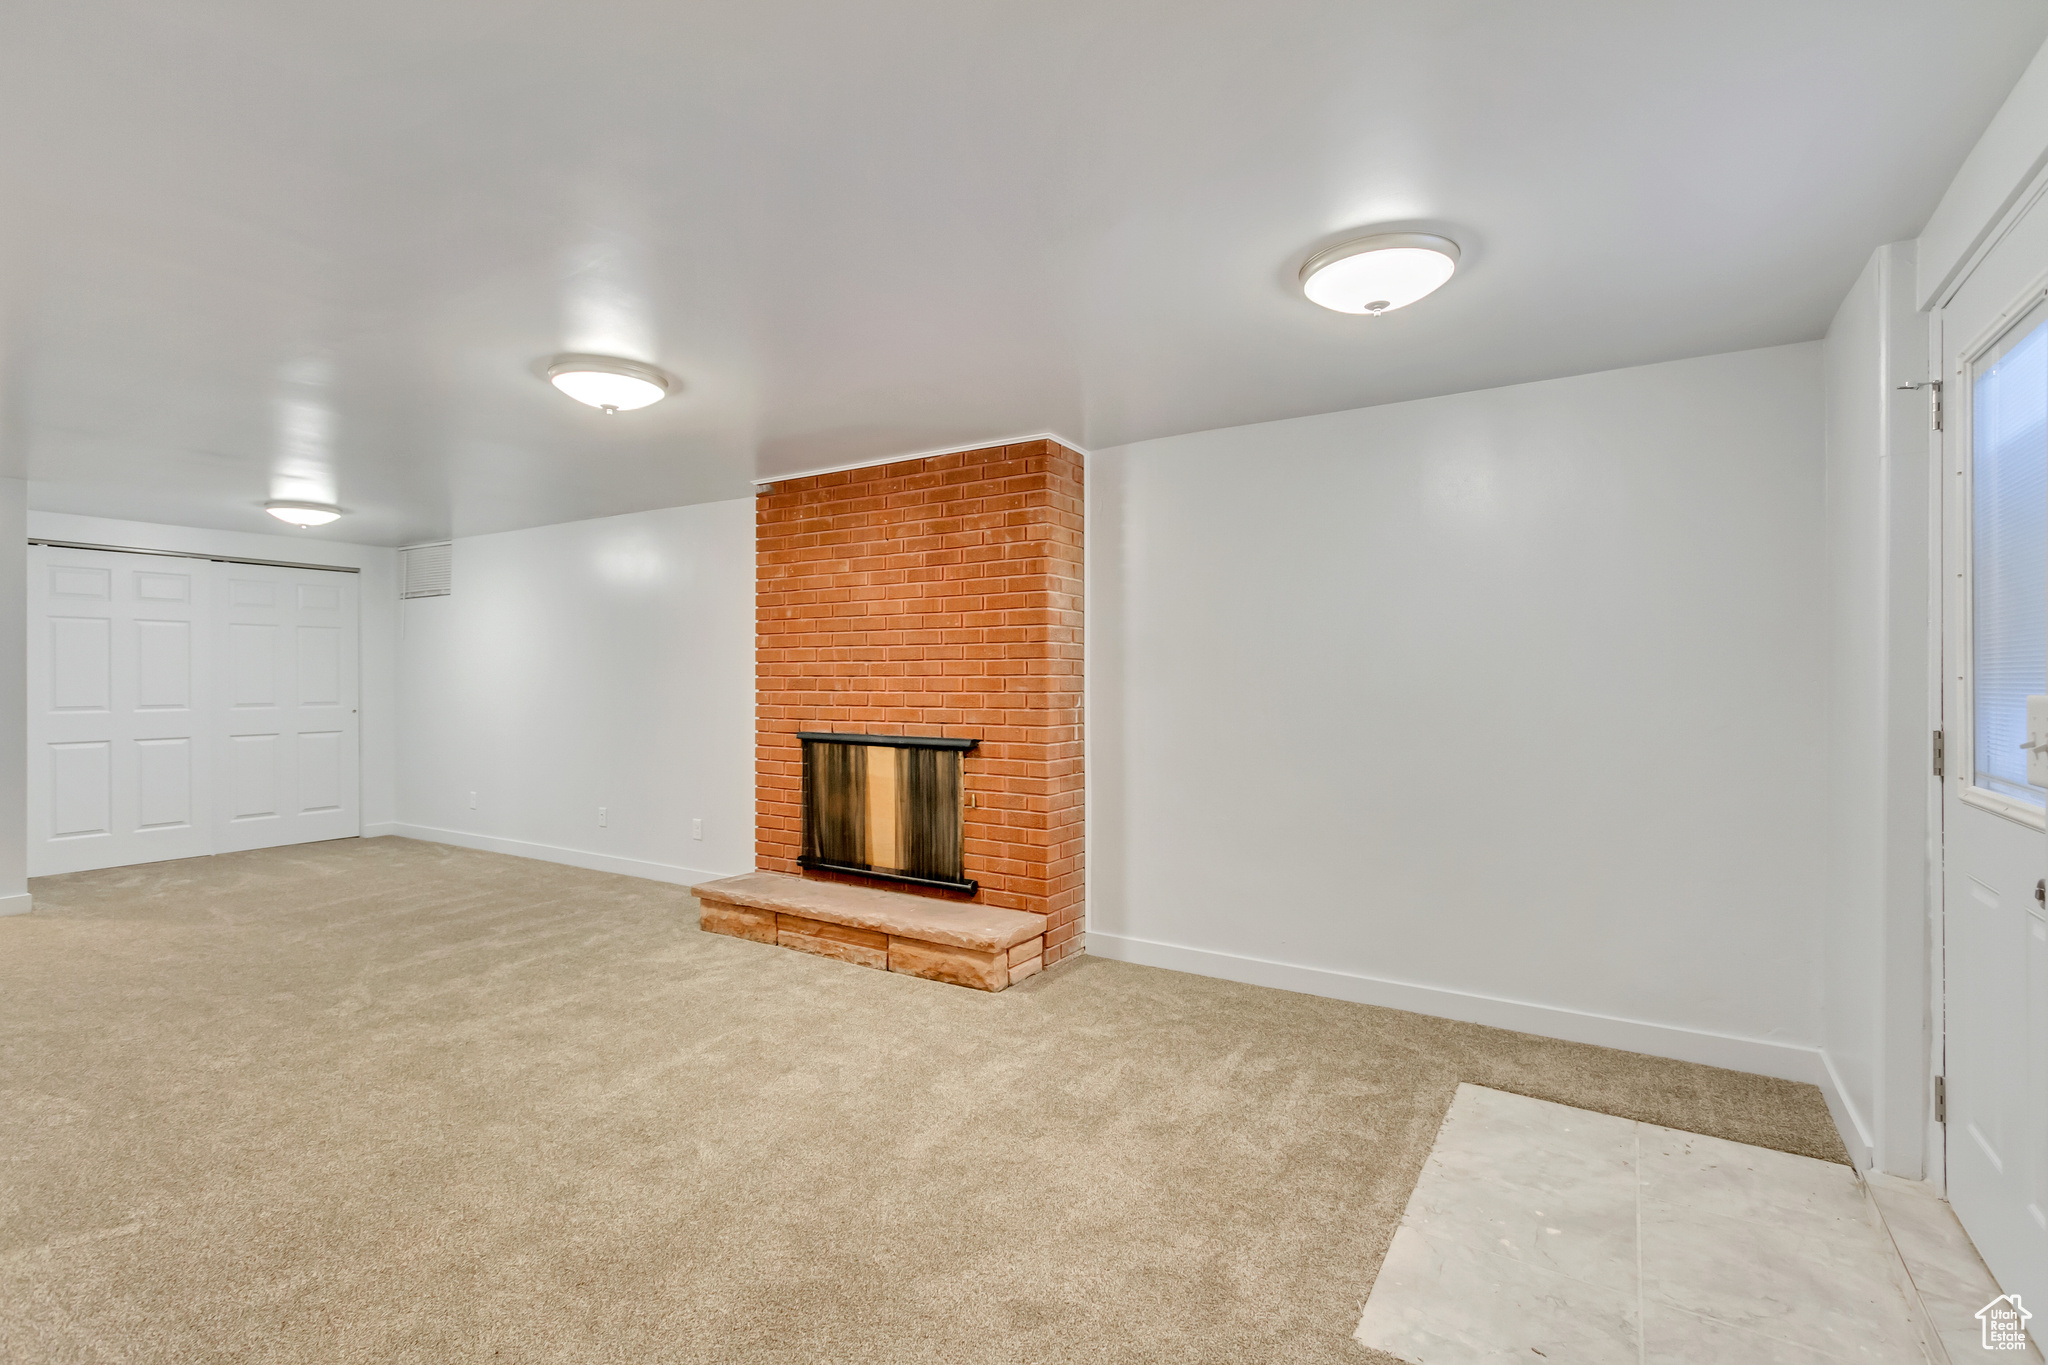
(1941, 1099)
(1933, 385)
(1940, 755)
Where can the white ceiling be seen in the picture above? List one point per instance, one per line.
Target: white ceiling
(252, 250)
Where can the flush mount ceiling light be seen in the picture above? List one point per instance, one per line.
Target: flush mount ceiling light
(1375, 275)
(303, 513)
(607, 382)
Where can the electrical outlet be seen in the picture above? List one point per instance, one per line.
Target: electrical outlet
(600, 817)
(472, 800)
(696, 829)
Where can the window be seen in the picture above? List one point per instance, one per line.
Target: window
(2008, 555)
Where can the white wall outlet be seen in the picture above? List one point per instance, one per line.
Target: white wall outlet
(600, 817)
(696, 829)
(2037, 741)
(472, 800)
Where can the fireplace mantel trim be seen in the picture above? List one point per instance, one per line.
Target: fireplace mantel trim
(892, 741)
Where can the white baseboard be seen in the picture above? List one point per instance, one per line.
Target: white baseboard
(1759, 1056)
(18, 904)
(1848, 1118)
(548, 853)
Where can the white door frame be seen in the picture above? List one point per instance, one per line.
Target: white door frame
(1939, 639)
(1955, 362)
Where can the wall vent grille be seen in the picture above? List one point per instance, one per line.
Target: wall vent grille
(424, 570)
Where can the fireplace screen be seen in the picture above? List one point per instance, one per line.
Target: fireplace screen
(885, 806)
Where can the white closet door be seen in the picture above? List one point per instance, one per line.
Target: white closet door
(118, 661)
(287, 644)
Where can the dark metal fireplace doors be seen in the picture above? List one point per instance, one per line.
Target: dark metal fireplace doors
(887, 806)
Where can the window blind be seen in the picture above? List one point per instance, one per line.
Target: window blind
(2009, 559)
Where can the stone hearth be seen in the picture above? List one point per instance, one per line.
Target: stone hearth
(981, 946)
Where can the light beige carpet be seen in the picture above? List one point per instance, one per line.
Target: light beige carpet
(394, 1101)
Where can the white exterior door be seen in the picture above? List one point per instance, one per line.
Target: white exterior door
(117, 671)
(287, 706)
(179, 707)
(1994, 349)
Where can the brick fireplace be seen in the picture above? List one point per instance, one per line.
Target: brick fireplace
(935, 597)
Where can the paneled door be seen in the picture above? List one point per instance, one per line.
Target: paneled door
(1993, 336)
(180, 707)
(118, 664)
(286, 705)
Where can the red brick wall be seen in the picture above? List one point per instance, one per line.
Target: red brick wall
(939, 596)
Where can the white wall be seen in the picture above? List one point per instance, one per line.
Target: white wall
(1876, 1024)
(378, 565)
(1852, 957)
(594, 663)
(1989, 188)
(1507, 706)
(14, 897)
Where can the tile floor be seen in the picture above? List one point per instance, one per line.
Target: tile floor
(1541, 1232)
(1950, 1279)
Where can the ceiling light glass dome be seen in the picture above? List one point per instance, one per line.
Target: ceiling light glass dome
(303, 513)
(1375, 275)
(610, 384)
